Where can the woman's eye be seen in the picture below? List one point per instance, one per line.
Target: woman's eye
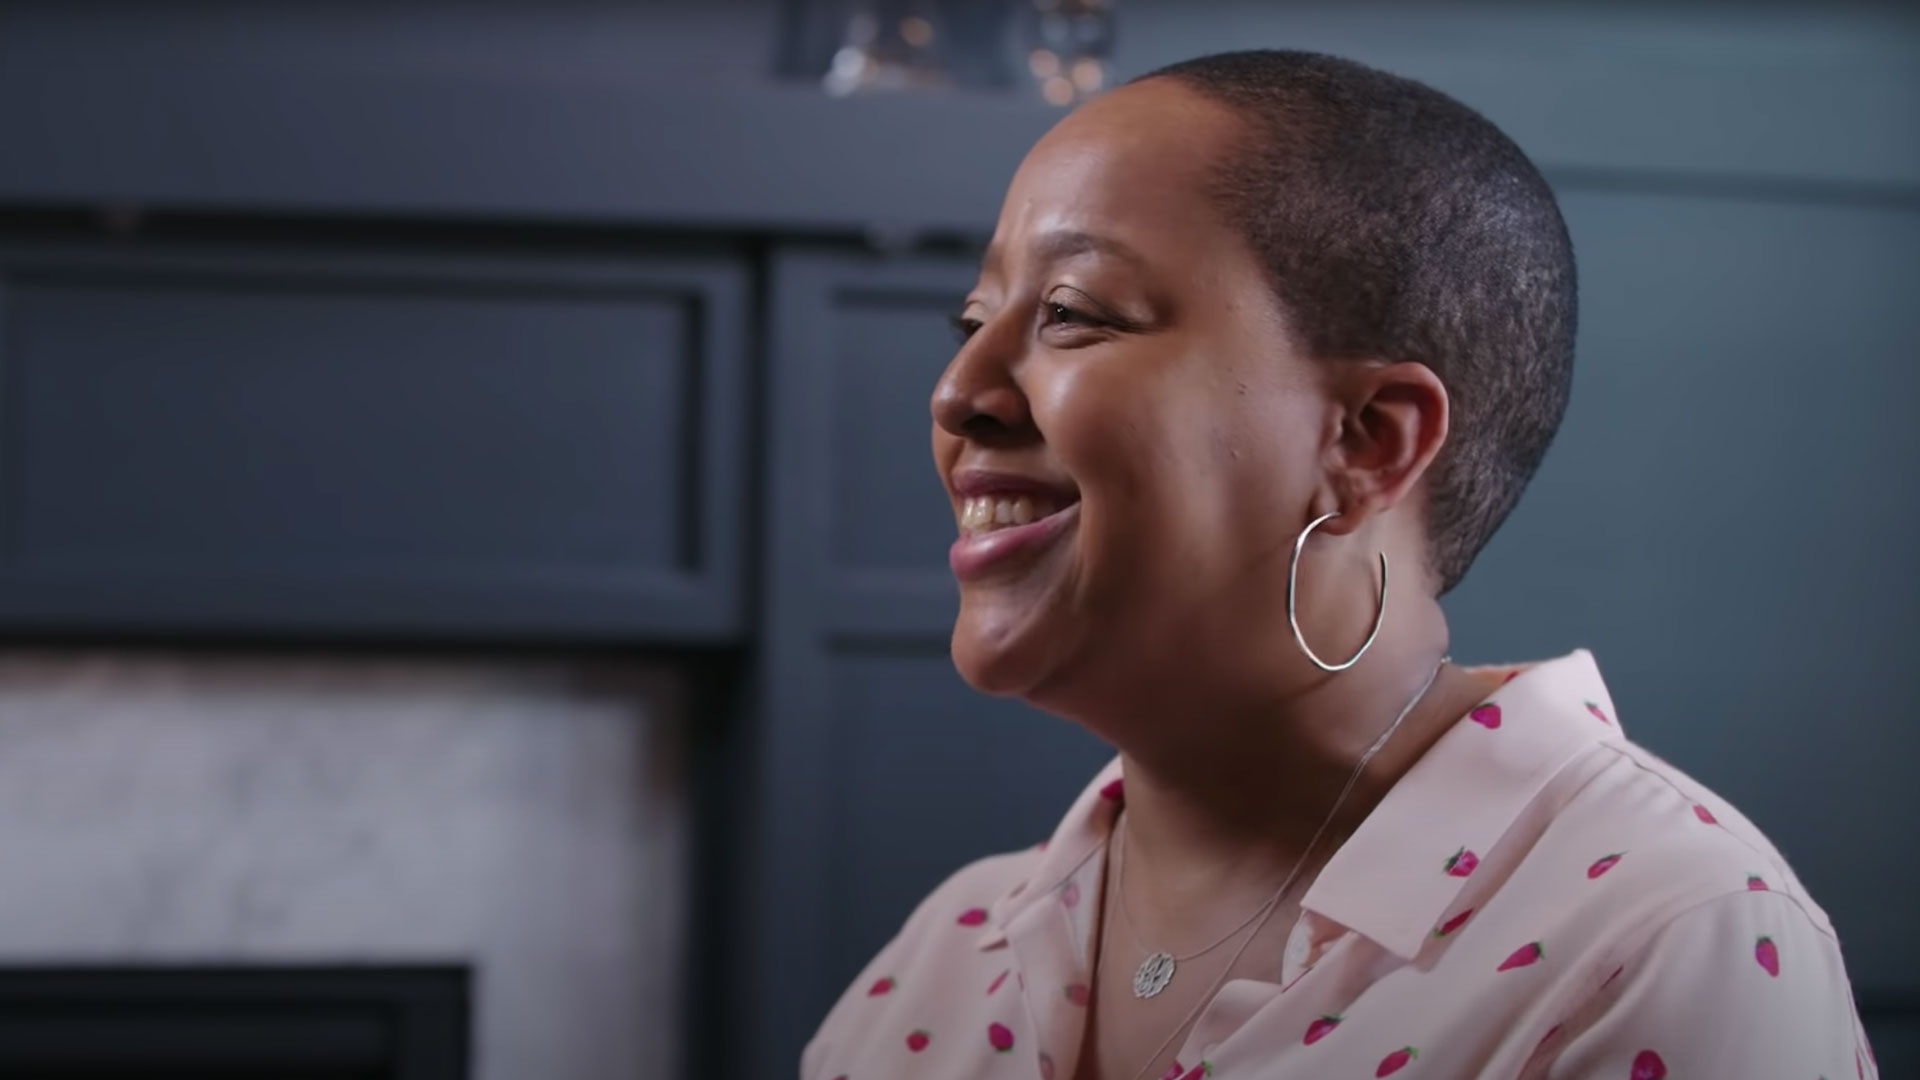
(964, 326)
(1061, 313)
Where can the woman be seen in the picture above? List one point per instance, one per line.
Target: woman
(1252, 331)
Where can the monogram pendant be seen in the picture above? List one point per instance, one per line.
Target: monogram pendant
(1153, 975)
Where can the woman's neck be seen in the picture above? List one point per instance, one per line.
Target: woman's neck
(1226, 794)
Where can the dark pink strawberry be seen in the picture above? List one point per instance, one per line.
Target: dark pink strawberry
(1648, 1066)
(973, 916)
(1462, 862)
(1603, 865)
(1705, 814)
(1756, 883)
(918, 1040)
(1079, 993)
(1529, 953)
(998, 979)
(1395, 1061)
(1320, 1029)
(1768, 955)
(1000, 1037)
(1597, 714)
(1046, 1066)
(1113, 790)
(1173, 1071)
(1198, 1071)
(1453, 924)
(1487, 716)
(881, 986)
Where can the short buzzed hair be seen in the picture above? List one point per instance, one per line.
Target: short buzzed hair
(1396, 223)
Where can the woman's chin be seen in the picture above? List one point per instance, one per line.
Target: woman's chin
(1001, 653)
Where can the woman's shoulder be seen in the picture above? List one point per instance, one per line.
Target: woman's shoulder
(972, 895)
(943, 962)
(1656, 842)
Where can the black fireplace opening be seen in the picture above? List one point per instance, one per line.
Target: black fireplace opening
(254, 1022)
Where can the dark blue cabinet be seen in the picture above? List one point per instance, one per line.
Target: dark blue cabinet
(381, 442)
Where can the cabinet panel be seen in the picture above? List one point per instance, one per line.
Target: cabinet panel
(213, 440)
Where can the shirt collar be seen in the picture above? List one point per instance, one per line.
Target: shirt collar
(1406, 864)
(1080, 836)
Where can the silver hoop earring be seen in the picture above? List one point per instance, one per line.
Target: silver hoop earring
(1293, 575)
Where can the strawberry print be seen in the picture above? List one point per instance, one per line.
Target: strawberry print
(1453, 924)
(973, 916)
(1395, 1061)
(1530, 953)
(1603, 865)
(1173, 1071)
(997, 980)
(1320, 1029)
(1705, 814)
(1000, 1037)
(1768, 955)
(1113, 790)
(1487, 716)
(1756, 883)
(1070, 894)
(1198, 1071)
(1046, 1066)
(1597, 714)
(918, 1040)
(881, 986)
(1648, 1066)
(1462, 862)
(1079, 993)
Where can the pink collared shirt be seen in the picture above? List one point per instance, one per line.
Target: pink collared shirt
(1536, 897)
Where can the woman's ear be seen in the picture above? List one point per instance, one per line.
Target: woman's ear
(1393, 427)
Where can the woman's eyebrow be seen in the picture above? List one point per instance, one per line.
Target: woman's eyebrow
(1059, 244)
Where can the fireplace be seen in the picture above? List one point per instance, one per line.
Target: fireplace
(234, 1023)
(328, 864)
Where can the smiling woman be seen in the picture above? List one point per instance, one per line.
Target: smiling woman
(1252, 332)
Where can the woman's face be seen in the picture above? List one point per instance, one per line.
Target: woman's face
(1128, 434)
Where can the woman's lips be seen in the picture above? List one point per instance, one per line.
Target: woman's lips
(977, 555)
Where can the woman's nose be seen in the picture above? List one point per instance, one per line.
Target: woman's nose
(978, 397)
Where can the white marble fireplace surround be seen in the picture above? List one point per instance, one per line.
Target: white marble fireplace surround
(527, 817)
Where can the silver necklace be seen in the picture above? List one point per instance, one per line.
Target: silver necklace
(1157, 970)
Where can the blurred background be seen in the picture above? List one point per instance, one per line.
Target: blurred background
(473, 585)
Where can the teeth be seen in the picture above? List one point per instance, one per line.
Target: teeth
(984, 513)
